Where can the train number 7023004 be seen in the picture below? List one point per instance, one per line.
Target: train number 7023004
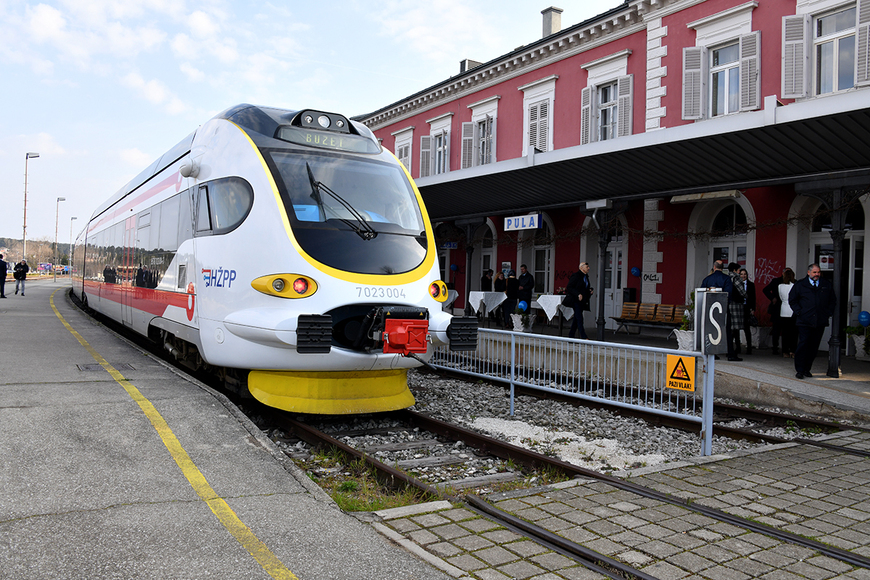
(379, 292)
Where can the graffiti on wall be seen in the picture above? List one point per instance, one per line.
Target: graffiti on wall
(766, 270)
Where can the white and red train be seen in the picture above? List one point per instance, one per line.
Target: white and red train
(285, 250)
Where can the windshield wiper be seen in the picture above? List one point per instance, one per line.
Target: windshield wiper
(362, 227)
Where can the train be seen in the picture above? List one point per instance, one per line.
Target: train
(284, 251)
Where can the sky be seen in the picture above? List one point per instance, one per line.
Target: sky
(102, 88)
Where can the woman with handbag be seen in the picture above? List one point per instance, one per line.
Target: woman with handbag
(786, 315)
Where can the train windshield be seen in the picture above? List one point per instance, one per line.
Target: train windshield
(372, 195)
(354, 214)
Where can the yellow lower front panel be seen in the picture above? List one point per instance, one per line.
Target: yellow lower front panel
(332, 393)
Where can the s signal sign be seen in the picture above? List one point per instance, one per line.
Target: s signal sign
(680, 372)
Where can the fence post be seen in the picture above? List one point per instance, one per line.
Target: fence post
(513, 371)
(707, 419)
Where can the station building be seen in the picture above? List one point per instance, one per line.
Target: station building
(649, 141)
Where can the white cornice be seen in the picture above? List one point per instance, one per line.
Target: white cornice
(572, 42)
(485, 101)
(724, 14)
(440, 117)
(534, 84)
(410, 128)
(606, 59)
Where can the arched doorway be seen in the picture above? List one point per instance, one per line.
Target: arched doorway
(821, 252)
(484, 256)
(537, 251)
(728, 236)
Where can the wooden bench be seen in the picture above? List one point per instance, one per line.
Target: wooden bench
(649, 315)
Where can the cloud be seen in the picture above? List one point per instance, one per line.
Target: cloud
(135, 158)
(191, 72)
(154, 91)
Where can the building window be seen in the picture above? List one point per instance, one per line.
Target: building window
(724, 80)
(607, 112)
(483, 141)
(441, 146)
(834, 51)
(404, 139)
(403, 152)
(538, 99)
(539, 125)
(435, 147)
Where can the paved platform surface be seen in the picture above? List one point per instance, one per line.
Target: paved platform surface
(139, 472)
(89, 488)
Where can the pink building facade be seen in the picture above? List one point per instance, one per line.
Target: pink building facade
(652, 140)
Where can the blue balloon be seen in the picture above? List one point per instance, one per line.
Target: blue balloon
(522, 305)
(453, 267)
(635, 272)
(864, 318)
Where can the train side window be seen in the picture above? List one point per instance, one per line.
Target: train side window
(168, 236)
(203, 215)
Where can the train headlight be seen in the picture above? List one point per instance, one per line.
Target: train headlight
(438, 291)
(278, 285)
(323, 121)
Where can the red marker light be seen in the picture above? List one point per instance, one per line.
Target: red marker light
(434, 290)
(300, 285)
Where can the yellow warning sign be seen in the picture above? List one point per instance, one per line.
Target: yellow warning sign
(681, 372)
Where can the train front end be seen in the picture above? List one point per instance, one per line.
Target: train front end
(350, 297)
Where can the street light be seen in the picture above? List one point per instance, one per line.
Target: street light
(69, 261)
(27, 157)
(56, 218)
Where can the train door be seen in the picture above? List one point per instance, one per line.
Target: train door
(127, 272)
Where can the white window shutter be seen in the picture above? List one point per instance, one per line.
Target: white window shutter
(750, 71)
(490, 143)
(795, 56)
(467, 145)
(862, 56)
(693, 82)
(586, 115)
(425, 156)
(446, 134)
(543, 125)
(533, 124)
(624, 89)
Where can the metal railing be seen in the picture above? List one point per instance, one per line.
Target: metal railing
(616, 374)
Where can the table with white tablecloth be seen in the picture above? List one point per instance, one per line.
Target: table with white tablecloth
(552, 305)
(489, 301)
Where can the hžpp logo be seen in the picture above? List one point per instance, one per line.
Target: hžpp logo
(218, 277)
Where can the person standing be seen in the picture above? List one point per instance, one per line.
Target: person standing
(526, 285)
(748, 309)
(736, 304)
(4, 269)
(579, 295)
(771, 291)
(510, 303)
(786, 314)
(718, 279)
(813, 301)
(20, 274)
(486, 281)
(499, 284)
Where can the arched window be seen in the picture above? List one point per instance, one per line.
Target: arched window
(854, 220)
(731, 221)
(728, 235)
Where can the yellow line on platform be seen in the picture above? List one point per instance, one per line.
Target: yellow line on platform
(225, 514)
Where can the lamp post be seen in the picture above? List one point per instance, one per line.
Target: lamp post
(27, 157)
(69, 261)
(56, 219)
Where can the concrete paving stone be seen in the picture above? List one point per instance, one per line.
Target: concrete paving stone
(725, 573)
(809, 571)
(716, 553)
(778, 503)
(793, 551)
(472, 543)
(546, 576)
(852, 493)
(466, 562)
(579, 517)
(536, 500)
(429, 520)
(604, 546)
(862, 551)
(783, 485)
(773, 559)
(741, 512)
(496, 555)
(552, 561)
(727, 529)
(450, 531)
(403, 525)
(555, 524)
(653, 531)
(711, 502)
(581, 573)
(511, 505)
(444, 549)
(802, 530)
(578, 535)
(625, 506)
(651, 515)
(458, 514)
(789, 517)
(501, 536)
(726, 486)
(603, 512)
(854, 514)
(525, 548)
(665, 571)
(520, 570)
(423, 537)
(780, 575)
(706, 534)
(760, 508)
(691, 562)
(738, 546)
(629, 539)
(858, 574)
(735, 499)
(580, 503)
(838, 542)
(490, 574)
(837, 520)
(749, 566)
(804, 510)
(634, 558)
(830, 564)
(604, 528)
(659, 549)
(759, 480)
(853, 536)
(628, 522)
(479, 525)
(556, 508)
(684, 541)
(531, 514)
(560, 495)
(760, 540)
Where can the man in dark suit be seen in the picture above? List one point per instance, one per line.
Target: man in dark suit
(578, 294)
(813, 301)
(719, 279)
(748, 309)
(772, 293)
(3, 271)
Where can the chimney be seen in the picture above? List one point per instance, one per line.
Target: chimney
(552, 20)
(468, 64)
